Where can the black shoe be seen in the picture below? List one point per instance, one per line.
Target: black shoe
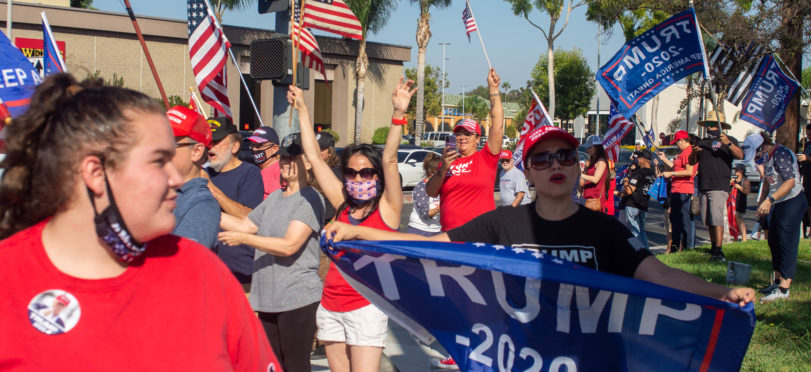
(718, 257)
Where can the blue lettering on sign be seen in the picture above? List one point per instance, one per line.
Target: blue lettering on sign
(765, 103)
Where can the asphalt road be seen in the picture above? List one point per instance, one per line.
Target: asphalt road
(654, 225)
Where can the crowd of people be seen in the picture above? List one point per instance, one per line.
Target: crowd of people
(123, 219)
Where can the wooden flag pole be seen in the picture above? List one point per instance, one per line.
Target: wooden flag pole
(197, 102)
(478, 32)
(294, 46)
(146, 53)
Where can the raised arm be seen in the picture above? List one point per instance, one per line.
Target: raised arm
(332, 187)
(495, 137)
(392, 200)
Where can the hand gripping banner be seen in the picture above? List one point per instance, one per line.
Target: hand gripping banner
(497, 308)
(653, 61)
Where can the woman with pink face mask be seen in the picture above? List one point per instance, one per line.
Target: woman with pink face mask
(353, 330)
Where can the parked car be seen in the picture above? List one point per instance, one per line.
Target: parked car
(409, 164)
(437, 138)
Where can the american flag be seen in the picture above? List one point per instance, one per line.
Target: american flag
(618, 127)
(208, 48)
(332, 16)
(310, 52)
(470, 23)
(726, 61)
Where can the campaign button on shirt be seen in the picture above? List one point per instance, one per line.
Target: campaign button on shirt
(54, 312)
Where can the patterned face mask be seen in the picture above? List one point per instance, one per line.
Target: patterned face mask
(363, 191)
(111, 229)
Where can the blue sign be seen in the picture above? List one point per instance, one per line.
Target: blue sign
(18, 77)
(771, 90)
(653, 61)
(52, 60)
(499, 308)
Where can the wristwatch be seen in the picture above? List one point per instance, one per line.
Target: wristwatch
(771, 199)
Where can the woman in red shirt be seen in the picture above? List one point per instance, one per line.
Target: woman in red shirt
(681, 190)
(353, 330)
(593, 180)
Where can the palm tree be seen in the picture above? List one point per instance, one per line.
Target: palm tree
(373, 15)
(220, 6)
(423, 36)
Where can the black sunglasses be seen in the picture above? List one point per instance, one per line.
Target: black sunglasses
(365, 173)
(543, 160)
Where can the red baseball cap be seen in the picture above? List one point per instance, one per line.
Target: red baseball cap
(62, 299)
(544, 133)
(469, 125)
(505, 154)
(682, 134)
(188, 123)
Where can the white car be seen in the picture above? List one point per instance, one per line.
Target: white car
(409, 163)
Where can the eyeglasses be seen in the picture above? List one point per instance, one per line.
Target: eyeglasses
(464, 133)
(543, 160)
(365, 173)
(505, 160)
(184, 144)
(262, 146)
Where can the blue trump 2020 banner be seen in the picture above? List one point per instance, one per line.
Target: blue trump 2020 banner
(765, 103)
(653, 61)
(18, 77)
(499, 308)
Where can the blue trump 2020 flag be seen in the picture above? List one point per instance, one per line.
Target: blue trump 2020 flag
(653, 61)
(499, 308)
(18, 77)
(51, 57)
(771, 90)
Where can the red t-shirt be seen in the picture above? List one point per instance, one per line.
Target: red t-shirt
(270, 178)
(682, 184)
(337, 294)
(467, 190)
(179, 309)
(595, 190)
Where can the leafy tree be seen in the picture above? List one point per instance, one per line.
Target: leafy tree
(512, 130)
(373, 15)
(220, 6)
(114, 81)
(555, 9)
(174, 100)
(84, 4)
(480, 91)
(478, 107)
(380, 135)
(575, 83)
(806, 79)
(423, 36)
(334, 134)
(433, 92)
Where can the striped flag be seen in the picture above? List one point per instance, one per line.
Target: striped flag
(650, 140)
(536, 117)
(470, 22)
(745, 60)
(332, 16)
(208, 48)
(310, 52)
(51, 56)
(618, 127)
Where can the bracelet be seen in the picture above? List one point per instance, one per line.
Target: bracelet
(402, 121)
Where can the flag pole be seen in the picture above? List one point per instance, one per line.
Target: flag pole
(478, 32)
(51, 35)
(707, 71)
(236, 64)
(197, 102)
(296, 39)
(146, 52)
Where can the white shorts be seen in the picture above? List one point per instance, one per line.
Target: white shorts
(366, 326)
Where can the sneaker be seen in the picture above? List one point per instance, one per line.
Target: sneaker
(769, 289)
(446, 363)
(719, 256)
(776, 294)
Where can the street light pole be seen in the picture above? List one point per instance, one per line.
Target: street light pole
(599, 39)
(442, 108)
(463, 101)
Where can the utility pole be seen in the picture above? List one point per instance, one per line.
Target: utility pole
(8, 21)
(442, 109)
(599, 40)
(463, 101)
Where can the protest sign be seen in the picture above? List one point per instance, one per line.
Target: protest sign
(499, 308)
(18, 77)
(771, 90)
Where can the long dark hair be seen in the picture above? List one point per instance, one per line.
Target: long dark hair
(599, 154)
(65, 122)
(373, 155)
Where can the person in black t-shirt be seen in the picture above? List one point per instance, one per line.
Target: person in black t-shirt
(635, 196)
(555, 224)
(804, 158)
(715, 155)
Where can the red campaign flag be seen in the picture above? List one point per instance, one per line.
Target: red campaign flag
(734, 232)
(5, 115)
(332, 16)
(310, 52)
(470, 22)
(208, 48)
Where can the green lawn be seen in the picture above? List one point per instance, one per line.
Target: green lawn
(782, 339)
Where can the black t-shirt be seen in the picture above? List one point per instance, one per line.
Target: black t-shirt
(587, 238)
(714, 164)
(805, 167)
(641, 179)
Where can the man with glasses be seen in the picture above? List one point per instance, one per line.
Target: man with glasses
(264, 148)
(197, 213)
(512, 185)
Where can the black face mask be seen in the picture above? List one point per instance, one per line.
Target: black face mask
(111, 229)
(714, 133)
(259, 156)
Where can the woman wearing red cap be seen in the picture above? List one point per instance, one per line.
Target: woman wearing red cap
(465, 182)
(681, 189)
(555, 223)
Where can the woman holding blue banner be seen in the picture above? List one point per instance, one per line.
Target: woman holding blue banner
(554, 225)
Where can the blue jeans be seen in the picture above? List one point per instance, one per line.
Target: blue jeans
(680, 220)
(635, 221)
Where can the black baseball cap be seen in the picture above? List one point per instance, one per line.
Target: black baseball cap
(645, 154)
(221, 127)
(291, 146)
(325, 140)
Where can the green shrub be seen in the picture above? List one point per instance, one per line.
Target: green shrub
(380, 135)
